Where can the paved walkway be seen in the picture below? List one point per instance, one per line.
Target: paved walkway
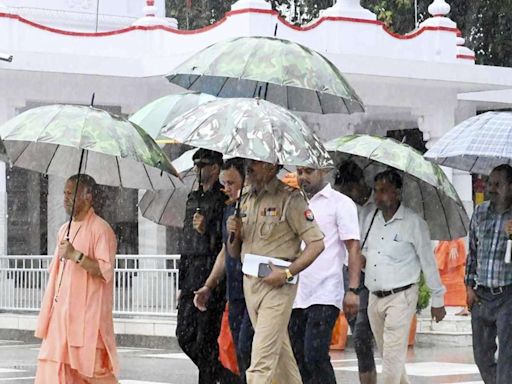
(158, 366)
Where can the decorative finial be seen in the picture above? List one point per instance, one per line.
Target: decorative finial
(439, 8)
(251, 4)
(150, 11)
(150, 8)
(348, 8)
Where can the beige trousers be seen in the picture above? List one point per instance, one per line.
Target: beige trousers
(272, 356)
(390, 320)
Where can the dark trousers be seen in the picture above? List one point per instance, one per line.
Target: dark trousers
(242, 332)
(197, 333)
(310, 335)
(491, 318)
(361, 331)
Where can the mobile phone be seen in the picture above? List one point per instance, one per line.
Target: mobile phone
(264, 269)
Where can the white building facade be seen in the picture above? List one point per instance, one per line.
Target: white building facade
(121, 50)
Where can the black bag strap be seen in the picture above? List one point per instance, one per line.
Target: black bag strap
(369, 228)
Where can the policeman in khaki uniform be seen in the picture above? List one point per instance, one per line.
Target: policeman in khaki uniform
(276, 220)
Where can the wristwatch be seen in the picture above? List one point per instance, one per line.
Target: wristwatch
(289, 276)
(355, 291)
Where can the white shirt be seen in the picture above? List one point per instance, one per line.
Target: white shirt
(322, 282)
(397, 251)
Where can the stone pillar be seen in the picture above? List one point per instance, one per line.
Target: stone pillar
(56, 212)
(152, 241)
(5, 115)
(434, 122)
(462, 181)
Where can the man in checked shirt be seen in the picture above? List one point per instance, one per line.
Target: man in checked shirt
(489, 279)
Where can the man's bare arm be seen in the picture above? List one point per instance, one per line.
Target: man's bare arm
(311, 252)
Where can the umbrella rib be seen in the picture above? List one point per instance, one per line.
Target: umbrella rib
(51, 159)
(445, 214)
(345, 103)
(473, 165)
(119, 171)
(319, 101)
(21, 153)
(165, 206)
(147, 174)
(223, 85)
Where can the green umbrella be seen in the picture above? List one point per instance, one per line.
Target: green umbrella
(252, 129)
(157, 114)
(280, 71)
(426, 189)
(116, 152)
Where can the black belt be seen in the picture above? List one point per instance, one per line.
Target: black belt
(387, 293)
(495, 291)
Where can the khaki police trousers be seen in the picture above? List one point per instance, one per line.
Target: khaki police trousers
(272, 355)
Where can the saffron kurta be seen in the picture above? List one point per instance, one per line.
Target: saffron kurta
(76, 314)
(451, 261)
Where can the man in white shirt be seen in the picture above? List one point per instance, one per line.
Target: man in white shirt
(350, 181)
(397, 250)
(320, 294)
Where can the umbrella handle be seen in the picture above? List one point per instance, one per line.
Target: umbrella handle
(75, 193)
(237, 208)
(508, 252)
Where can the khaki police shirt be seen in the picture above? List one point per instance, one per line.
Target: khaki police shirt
(276, 220)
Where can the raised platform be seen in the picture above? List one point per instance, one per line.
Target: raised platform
(453, 331)
(130, 332)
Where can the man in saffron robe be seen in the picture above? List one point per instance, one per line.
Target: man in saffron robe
(75, 322)
(451, 262)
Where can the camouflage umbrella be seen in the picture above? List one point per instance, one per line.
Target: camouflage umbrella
(252, 129)
(157, 114)
(426, 189)
(166, 206)
(280, 71)
(53, 139)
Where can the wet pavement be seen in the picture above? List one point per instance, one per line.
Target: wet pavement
(158, 366)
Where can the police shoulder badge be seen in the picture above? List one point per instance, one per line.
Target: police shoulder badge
(308, 214)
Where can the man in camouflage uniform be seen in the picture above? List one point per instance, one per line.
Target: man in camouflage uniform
(276, 219)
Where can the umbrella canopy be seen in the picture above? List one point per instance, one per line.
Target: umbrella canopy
(476, 145)
(426, 189)
(157, 114)
(116, 152)
(167, 207)
(252, 129)
(280, 71)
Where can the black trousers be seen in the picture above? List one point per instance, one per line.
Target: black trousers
(197, 334)
(491, 318)
(361, 331)
(310, 335)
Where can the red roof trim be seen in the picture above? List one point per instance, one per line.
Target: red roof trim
(466, 57)
(228, 14)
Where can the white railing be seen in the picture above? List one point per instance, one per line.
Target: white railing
(144, 284)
